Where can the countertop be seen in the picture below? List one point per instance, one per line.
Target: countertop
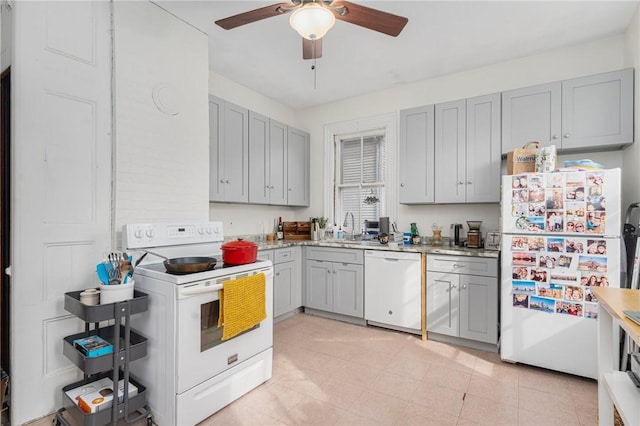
(374, 245)
(617, 300)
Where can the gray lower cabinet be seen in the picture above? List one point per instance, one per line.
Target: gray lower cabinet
(287, 280)
(580, 114)
(416, 161)
(462, 297)
(333, 285)
(228, 151)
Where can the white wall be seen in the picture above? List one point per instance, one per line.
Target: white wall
(589, 58)
(631, 155)
(161, 144)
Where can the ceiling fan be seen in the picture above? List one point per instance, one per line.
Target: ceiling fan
(313, 18)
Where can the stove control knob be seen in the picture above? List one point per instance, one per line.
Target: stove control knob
(150, 233)
(201, 230)
(138, 233)
(209, 230)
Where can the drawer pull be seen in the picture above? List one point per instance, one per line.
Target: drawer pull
(458, 265)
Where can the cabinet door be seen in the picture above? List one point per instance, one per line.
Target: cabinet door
(531, 114)
(348, 290)
(443, 303)
(319, 285)
(479, 308)
(450, 142)
(216, 149)
(278, 163)
(483, 157)
(236, 153)
(597, 110)
(259, 147)
(416, 162)
(283, 292)
(298, 167)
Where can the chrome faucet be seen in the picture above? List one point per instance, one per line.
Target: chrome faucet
(353, 224)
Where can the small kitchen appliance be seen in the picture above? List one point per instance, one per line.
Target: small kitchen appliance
(492, 241)
(371, 229)
(474, 236)
(191, 371)
(457, 227)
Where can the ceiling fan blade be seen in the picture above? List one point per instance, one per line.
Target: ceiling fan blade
(254, 15)
(311, 51)
(373, 19)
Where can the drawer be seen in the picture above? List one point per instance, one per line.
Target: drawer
(467, 265)
(288, 254)
(335, 255)
(265, 254)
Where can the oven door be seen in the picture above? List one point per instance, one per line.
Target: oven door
(200, 352)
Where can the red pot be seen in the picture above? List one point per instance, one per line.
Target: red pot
(239, 252)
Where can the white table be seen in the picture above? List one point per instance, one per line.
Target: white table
(615, 387)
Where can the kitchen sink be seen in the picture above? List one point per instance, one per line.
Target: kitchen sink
(356, 242)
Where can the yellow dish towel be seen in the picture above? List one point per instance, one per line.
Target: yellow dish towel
(242, 304)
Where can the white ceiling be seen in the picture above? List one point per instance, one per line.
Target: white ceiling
(442, 37)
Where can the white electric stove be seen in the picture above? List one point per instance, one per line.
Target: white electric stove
(189, 371)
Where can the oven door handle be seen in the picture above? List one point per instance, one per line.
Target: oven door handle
(199, 290)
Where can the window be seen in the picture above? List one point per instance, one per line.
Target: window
(360, 177)
(360, 157)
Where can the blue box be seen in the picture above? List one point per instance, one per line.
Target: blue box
(93, 346)
(406, 239)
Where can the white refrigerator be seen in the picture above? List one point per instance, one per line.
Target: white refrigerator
(560, 236)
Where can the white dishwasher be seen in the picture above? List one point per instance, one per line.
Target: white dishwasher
(392, 296)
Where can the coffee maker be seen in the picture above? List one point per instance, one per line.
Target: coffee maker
(474, 236)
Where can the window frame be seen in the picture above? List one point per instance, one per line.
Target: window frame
(386, 123)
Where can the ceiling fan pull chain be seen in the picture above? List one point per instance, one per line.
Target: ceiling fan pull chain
(313, 67)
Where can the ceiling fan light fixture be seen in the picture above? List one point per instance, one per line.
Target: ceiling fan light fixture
(312, 21)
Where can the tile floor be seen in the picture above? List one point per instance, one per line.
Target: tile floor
(327, 372)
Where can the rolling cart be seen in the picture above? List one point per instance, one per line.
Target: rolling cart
(128, 346)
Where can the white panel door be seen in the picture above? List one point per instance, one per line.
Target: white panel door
(450, 148)
(61, 186)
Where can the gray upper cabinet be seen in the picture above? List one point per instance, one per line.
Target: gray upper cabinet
(298, 180)
(467, 150)
(581, 114)
(483, 157)
(416, 161)
(597, 111)
(267, 160)
(450, 147)
(228, 152)
(531, 114)
(254, 159)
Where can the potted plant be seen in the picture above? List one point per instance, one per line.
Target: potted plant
(322, 224)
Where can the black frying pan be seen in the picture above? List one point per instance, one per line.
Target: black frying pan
(185, 265)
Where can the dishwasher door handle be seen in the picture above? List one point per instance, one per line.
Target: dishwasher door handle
(391, 259)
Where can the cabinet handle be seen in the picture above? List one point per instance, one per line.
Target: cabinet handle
(464, 286)
(334, 272)
(290, 189)
(454, 285)
(469, 182)
(277, 274)
(461, 183)
(390, 312)
(227, 181)
(554, 137)
(567, 135)
(402, 185)
(457, 265)
(221, 180)
(328, 271)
